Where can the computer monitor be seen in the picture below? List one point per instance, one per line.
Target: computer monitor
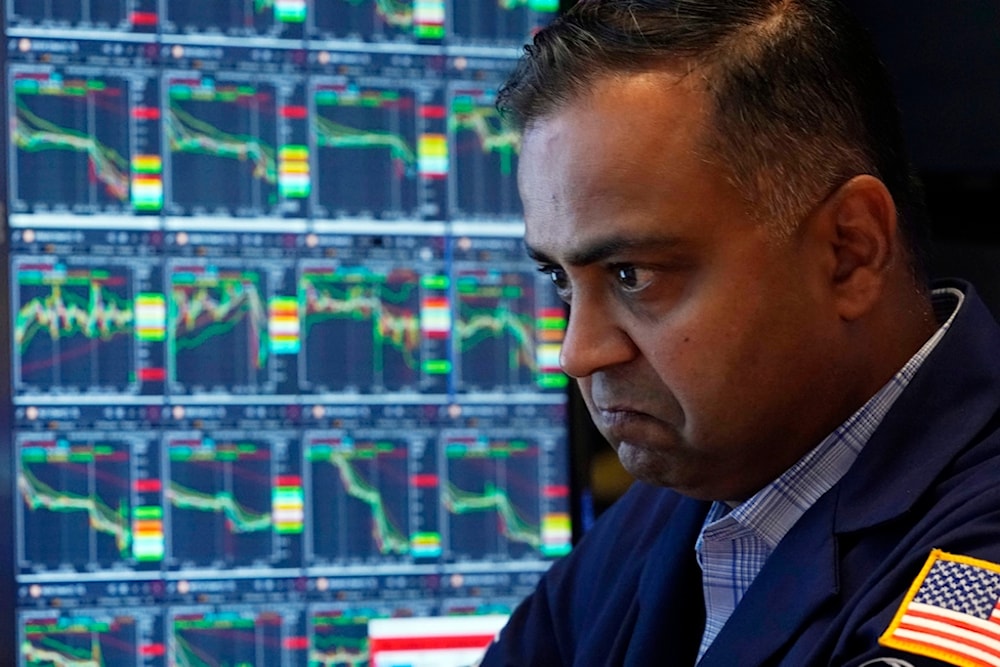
(281, 388)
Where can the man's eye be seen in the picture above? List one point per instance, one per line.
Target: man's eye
(559, 279)
(556, 275)
(633, 279)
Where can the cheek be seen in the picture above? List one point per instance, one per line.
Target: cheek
(708, 364)
(687, 346)
(679, 365)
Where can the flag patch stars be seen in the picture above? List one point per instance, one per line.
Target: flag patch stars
(951, 613)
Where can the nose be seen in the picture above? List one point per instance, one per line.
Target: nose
(594, 339)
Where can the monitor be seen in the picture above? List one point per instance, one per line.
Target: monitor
(280, 387)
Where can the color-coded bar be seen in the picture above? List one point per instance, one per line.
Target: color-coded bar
(143, 19)
(294, 112)
(547, 357)
(436, 367)
(435, 317)
(147, 164)
(433, 112)
(154, 650)
(283, 325)
(424, 481)
(147, 193)
(432, 155)
(288, 514)
(151, 316)
(25, 86)
(290, 11)
(428, 19)
(555, 491)
(553, 381)
(148, 486)
(551, 325)
(293, 172)
(33, 455)
(151, 374)
(556, 534)
(146, 113)
(425, 545)
(148, 543)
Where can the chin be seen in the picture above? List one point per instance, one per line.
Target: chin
(648, 465)
(659, 468)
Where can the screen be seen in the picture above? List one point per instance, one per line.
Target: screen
(281, 388)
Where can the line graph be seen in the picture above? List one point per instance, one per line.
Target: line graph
(247, 18)
(124, 15)
(365, 330)
(339, 636)
(367, 164)
(231, 635)
(503, 485)
(228, 128)
(88, 638)
(77, 125)
(360, 497)
(87, 325)
(218, 334)
(74, 326)
(498, 21)
(83, 307)
(485, 156)
(490, 491)
(278, 366)
(105, 514)
(495, 329)
(88, 488)
(509, 323)
(220, 499)
(379, 20)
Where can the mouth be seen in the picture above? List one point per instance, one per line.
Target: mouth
(618, 417)
(621, 423)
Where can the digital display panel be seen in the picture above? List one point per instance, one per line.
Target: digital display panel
(279, 372)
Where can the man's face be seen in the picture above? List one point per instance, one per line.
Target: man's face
(705, 347)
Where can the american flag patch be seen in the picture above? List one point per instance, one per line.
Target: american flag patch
(951, 613)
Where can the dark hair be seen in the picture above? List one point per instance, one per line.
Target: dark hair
(801, 100)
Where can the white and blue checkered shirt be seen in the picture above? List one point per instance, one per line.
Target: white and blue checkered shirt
(735, 542)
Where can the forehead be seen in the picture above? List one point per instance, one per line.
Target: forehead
(624, 158)
(624, 115)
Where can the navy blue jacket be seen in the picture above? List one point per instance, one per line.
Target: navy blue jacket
(630, 592)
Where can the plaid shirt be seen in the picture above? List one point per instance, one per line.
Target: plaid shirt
(736, 541)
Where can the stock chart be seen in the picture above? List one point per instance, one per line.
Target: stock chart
(485, 156)
(366, 133)
(88, 125)
(279, 368)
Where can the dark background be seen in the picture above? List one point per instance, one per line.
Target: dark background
(945, 61)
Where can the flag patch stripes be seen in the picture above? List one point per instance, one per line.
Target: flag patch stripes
(951, 612)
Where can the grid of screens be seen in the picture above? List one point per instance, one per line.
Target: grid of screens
(278, 368)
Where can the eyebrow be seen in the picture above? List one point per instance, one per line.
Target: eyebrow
(603, 249)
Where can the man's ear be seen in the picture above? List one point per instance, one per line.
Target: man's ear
(861, 225)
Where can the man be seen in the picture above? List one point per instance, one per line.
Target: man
(719, 191)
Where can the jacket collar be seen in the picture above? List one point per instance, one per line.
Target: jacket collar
(670, 616)
(948, 402)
